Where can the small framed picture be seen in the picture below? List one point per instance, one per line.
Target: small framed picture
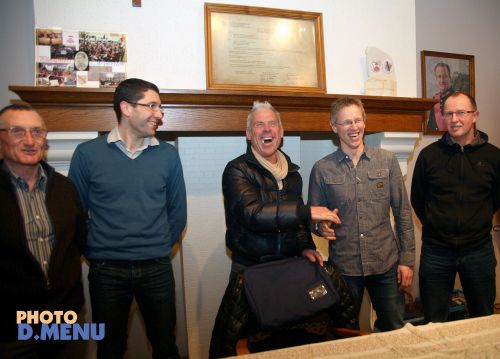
(442, 74)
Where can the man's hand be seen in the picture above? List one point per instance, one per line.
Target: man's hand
(313, 256)
(496, 221)
(405, 276)
(326, 229)
(325, 225)
(324, 214)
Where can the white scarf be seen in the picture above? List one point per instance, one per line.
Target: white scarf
(279, 169)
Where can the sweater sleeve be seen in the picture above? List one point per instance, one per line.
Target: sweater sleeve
(78, 174)
(80, 223)
(176, 199)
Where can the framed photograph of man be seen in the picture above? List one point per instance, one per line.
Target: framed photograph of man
(442, 74)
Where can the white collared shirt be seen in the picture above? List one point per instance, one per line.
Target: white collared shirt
(114, 137)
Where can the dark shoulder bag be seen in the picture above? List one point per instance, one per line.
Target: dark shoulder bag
(286, 291)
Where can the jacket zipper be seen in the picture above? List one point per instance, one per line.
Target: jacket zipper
(460, 194)
(277, 215)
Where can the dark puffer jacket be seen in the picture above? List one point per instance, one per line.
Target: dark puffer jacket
(261, 220)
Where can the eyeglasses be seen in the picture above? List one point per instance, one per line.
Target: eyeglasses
(19, 133)
(460, 114)
(348, 123)
(153, 106)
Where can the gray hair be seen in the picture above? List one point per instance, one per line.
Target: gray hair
(18, 107)
(342, 102)
(258, 105)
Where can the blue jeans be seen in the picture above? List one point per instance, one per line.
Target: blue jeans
(387, 299)
(113, 285)
(476, 269)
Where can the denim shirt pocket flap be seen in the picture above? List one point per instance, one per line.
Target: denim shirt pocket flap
(378, 182)
(340, 179)
(378, 174)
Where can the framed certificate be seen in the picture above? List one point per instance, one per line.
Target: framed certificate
(254, 48)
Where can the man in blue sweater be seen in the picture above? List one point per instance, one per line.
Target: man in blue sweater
(133, 189)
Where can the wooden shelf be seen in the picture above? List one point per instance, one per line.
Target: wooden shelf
(214, 113)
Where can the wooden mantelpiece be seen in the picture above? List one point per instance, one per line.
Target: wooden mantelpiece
(210, 113)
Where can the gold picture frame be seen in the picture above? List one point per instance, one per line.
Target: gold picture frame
(442, 74)
(264, 49)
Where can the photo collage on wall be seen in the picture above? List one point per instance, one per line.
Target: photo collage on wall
(79, 58)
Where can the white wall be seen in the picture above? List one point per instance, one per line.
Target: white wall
(166, 38)
(471, 28)
(17, 37)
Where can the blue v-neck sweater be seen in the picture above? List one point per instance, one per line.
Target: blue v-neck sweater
(137, 208)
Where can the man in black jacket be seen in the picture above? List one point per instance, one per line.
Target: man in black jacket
(455, 193)
(42, 234)
(266, 217)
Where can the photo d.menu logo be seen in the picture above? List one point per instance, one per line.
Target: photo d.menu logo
(56, 325)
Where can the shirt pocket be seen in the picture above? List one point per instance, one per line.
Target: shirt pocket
(336, 190)
(378, 183)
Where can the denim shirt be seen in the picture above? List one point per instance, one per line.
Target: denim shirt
(365, 194)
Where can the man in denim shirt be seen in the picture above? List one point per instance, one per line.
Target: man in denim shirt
(363, 184)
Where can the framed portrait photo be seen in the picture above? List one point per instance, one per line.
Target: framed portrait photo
(442, 74)
(256, 48)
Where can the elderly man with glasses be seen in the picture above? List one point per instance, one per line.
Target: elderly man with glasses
(42, 235)
(132, 187)
(363, 184)
(455, 193)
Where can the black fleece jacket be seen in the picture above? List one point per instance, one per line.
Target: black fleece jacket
(455, 192)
